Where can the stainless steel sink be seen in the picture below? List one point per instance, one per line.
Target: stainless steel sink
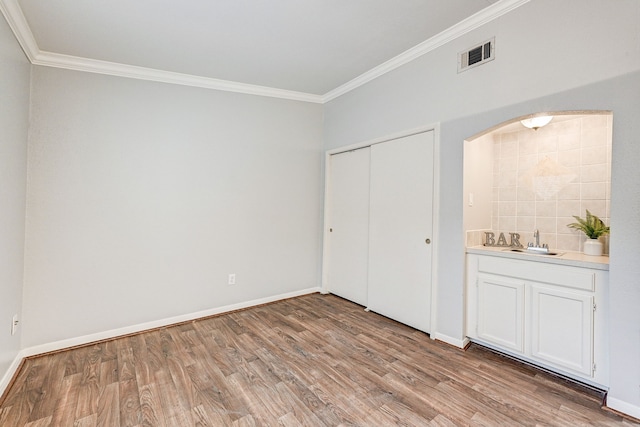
(525, 251)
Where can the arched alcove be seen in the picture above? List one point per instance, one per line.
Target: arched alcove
(518, 179)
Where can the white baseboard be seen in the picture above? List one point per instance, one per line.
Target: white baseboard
(460, 343)
(8, 376)
(624, 407)
(72, 342)
(615, 404)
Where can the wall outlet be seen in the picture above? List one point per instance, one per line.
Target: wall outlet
(14, 324)
(232, 279)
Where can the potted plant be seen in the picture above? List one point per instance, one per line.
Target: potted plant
(593, 228)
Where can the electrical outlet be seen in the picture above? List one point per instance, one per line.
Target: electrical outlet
(232, 279)
(14, 324)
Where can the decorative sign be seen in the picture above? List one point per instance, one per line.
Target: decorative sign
(490, 240)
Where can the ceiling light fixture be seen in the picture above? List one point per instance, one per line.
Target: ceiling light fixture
(536, 123)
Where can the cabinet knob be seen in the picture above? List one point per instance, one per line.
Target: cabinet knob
(428, 241)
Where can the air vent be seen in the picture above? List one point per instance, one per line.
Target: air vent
(479, 54)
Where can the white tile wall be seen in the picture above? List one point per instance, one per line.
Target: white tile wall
(581, 144)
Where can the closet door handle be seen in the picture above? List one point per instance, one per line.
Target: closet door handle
(428, 241)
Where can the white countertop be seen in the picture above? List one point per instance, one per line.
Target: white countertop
(575, 259)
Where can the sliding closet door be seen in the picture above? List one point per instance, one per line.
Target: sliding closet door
(400, 227)
(349, 225)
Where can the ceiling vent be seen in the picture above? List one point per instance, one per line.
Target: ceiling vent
(477, 55)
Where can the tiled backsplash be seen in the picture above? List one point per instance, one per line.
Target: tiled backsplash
(542, 178)
(476, 237)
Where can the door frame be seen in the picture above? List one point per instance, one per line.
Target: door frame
(435, 127)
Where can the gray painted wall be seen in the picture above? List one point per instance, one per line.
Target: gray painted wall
(549, 56)
(543, 47)
(144, 196)
(14, 121)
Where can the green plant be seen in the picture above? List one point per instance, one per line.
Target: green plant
(592, 226)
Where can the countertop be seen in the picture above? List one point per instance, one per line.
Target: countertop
(575, 259)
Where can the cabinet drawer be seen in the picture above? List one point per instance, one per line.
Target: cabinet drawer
(559, 275)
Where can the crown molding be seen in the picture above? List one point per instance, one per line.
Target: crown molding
(18, 24)
(49, 59)
(469, 24)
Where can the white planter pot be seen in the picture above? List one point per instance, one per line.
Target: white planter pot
(593, 247)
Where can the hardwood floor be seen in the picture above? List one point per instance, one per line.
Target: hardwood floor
(314, 360)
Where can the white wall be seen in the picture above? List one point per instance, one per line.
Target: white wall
(144, 196)
(477, 182)
(543, 50)
(14, 120)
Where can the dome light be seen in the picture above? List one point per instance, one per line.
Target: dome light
(536, 122)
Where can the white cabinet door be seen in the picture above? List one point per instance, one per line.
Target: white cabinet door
(349, 225)
(400, 224)
(542, 313)
(562, 328)
(501, 303)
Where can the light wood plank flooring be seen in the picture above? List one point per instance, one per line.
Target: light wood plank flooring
(314, 360)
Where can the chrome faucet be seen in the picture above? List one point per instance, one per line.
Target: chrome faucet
(536, 247)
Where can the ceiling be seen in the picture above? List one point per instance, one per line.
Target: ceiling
(311, 49)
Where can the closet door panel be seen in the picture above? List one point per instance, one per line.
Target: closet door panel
(400, 227)
(349, 225)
